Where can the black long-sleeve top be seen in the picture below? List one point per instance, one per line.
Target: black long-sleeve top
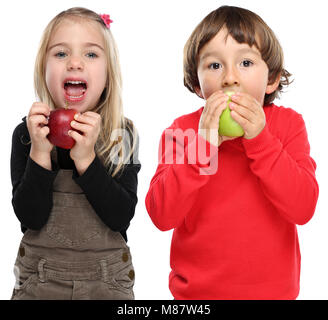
(113, 199)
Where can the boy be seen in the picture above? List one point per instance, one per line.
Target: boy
(235, 233)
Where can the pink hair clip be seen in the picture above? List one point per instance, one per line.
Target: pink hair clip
(107, 21)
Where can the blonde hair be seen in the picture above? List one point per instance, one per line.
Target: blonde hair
(242, 25)
(114, 139)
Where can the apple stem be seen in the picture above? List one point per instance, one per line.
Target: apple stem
(66, 104)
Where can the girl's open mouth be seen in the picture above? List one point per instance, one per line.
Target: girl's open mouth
(75, 90)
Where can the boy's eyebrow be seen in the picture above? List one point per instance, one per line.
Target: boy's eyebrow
(216, 53)
(208, 54)
(249, 50)
(87, 44)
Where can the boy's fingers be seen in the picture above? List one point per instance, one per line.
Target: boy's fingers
(247, 101)
(217, 95)
(218, 111)
(239, 119)
(243, 111)
(219, 102)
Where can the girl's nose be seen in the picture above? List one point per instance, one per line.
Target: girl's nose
(230, 78)
(75, 63)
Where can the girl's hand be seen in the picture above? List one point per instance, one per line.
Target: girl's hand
(208, 126)
(37, 121)
(249, 113)
(86, 130)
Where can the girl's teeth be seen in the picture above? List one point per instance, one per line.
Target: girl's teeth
(76, 97)
(75, 82)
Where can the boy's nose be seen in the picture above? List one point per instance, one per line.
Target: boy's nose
(75, 63)
(230, 78)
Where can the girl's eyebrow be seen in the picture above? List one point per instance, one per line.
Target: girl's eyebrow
(86, 44)
(91, 44)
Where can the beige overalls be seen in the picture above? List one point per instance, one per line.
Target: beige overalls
(75, 255)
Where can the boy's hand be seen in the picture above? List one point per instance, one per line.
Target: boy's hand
(249, 113)
(208, 126)
(83, 152)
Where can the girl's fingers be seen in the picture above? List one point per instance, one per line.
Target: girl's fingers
(39, 108)
(85, 119)
(38, 119)
(44, 131)
(88, 117)
(75, 135)
(92, 114)
(85, 128)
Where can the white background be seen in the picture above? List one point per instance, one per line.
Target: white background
(150, 37)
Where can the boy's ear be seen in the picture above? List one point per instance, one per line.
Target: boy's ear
(273, 86)
(198, 91)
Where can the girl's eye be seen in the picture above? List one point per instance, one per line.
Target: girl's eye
(92, 55)
(247, 63)
(215, 65)
(60, 54)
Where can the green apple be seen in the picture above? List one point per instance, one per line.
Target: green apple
(227, 126)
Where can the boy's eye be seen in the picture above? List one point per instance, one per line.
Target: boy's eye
(247, 63)
(215, 65)
(92, 55)
(60, 54)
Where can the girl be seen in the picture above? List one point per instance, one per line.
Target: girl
(75, 205)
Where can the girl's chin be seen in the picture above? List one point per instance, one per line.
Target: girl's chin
(80, 106)
(72, 104)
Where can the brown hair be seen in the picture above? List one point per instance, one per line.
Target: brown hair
(245, 27)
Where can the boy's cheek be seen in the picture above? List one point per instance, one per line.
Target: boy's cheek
(208, 87)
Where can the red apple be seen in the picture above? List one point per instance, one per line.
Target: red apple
(59, 124)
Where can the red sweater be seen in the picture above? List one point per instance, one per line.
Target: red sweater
(235, 233)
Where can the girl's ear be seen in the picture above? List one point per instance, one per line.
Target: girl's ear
(273, 86)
